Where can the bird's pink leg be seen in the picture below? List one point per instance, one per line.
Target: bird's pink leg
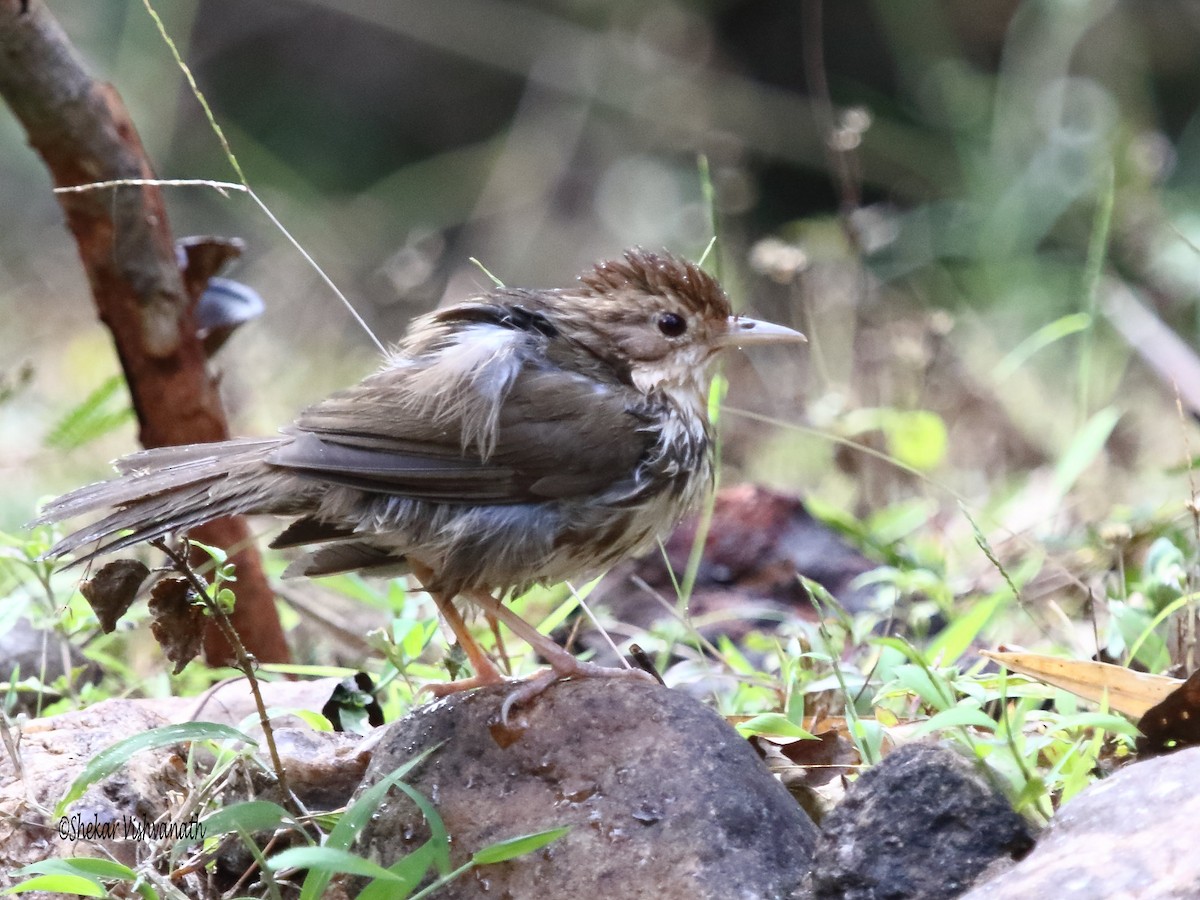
(562, 663)
(485, 671)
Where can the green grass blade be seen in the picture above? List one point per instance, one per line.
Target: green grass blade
(1048, 334)
(355, 818)
(1084, 449)
(112, 758)
(329, 861)
(60, 884)
(502, 851)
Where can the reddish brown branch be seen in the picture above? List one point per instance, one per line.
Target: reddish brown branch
(83, 132)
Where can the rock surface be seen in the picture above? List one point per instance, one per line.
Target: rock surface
(1134, 834)
(151, 786)
(664, 799)
(52, 754)
(921, 824)
(30, 652)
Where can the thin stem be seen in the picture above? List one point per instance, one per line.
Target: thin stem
(244, 660)
(1093, 269)
(245, 183)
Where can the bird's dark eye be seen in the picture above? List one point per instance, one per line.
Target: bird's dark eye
(672, 324)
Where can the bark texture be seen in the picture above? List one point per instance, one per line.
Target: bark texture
(83, 133)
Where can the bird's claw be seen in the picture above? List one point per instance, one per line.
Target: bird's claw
(536, 685)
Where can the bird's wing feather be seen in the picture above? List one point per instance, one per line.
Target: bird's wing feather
(541, 434)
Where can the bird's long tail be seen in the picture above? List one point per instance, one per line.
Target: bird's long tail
(169, 489)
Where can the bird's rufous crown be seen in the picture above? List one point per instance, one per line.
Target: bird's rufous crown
(663, 274)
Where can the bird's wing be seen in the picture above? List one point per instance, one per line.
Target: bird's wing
(512, 432)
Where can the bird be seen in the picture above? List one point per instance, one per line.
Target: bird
(519, 437)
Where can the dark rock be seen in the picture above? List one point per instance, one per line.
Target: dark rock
(38, 653)
(664, 799)
(922, 824)
(1133, 834)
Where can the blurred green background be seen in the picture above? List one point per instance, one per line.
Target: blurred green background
(921, 186)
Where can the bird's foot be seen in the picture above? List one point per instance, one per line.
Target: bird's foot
(576, 668)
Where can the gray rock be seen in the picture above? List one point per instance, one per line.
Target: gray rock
(52, 753)
(664, 799)
(921, 824)
(40, 654)
(1134, 834)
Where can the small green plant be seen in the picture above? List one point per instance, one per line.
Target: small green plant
(102, 411)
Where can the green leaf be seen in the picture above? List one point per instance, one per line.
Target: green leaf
(359, 813)
(930, 687)
(734, 658)
(1134, 636)
(517, 846)
(1105, 721)
(92, 418)
(226, 599)
(112, 758)
(413, 635)
(1163, 559)
(92, 867)
(408, 871)
(916, 438)
(78, 875)
(246, 817)
(1084, 449)
(217, 554)
(898, 520)
(313, 720)
(329, 861)
(439, 840)
(308, 671)
(958, 716)
(900, 645)
(1164, 574)
(953, 640)
(60, 884)
(1072, 323)
(716, 396)
(773, 724)
(868, 736)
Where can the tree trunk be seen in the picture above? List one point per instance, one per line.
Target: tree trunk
(83, 132)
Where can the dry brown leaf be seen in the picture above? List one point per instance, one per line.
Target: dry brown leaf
(1124, 690)
(178, 624)
(811, 763)
(112, 590)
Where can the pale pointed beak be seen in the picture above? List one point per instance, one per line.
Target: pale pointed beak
(744, 331)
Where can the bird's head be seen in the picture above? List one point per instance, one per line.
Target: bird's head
(661, 319)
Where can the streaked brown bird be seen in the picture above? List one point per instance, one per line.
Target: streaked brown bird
(520, 437)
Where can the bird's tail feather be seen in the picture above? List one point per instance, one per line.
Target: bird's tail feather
(168, 489)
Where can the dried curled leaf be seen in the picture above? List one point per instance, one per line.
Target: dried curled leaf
(112, 590)
(178, 624)
(1122, 689)
(812, 763)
